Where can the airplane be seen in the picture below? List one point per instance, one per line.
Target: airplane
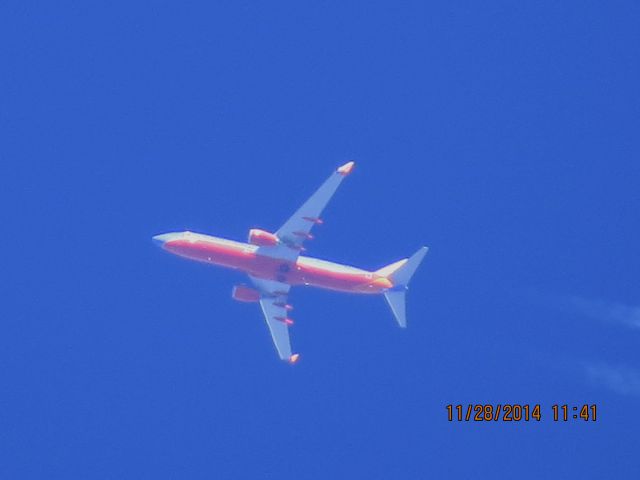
(274, 264)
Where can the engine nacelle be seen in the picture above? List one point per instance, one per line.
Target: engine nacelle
(262, 238)
(245, 294)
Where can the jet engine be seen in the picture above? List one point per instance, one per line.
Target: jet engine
(242, 293)
(262, 238)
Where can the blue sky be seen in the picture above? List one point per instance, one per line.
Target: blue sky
(504, 136)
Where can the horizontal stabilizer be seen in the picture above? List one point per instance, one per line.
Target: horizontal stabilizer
(389, 269)
(396, 301)
(402, 275)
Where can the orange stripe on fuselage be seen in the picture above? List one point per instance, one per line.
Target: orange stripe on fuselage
(305, 271)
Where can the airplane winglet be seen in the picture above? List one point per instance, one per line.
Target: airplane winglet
(294, 358)
(345, 169)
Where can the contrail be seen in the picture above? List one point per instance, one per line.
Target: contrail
(606, 311)
(620, 379)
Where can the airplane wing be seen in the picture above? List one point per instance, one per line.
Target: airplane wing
(273, 301)
(298, 228)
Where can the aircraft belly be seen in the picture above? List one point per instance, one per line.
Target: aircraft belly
(212, 253)
(317, 274)
(331, 279)
(301, 273)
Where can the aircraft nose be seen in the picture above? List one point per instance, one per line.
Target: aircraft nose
(161, 239)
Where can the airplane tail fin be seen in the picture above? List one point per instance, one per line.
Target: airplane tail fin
(400, 274)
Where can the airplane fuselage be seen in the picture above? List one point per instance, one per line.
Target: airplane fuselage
(247, 258)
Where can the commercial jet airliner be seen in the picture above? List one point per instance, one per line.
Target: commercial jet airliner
(274, 264)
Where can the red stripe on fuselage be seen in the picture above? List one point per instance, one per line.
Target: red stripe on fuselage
(242, 256)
